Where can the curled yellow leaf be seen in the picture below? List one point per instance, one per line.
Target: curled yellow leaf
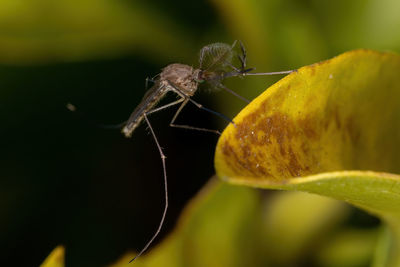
(332, 128)
(340, 114)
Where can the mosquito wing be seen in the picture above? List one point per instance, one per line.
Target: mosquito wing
(216, 57)
(150, 99)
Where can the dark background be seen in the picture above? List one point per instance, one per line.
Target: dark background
(64, 180)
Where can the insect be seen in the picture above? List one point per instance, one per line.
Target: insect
(217, 62)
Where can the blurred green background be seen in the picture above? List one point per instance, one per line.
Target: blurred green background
(66, 181)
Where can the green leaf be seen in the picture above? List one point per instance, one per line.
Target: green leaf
(348, 248)
(217, 228)
(227, 225)
(331, 128)
(295, 224)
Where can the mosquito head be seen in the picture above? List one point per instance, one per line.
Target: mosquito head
(209, 76)
(182, 76)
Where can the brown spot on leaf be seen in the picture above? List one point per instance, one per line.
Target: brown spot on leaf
(305, 148)
(336, 116)
(274, 144)
(273, 134)
(309, 126)
(243, 164)
(230, 155)
(352, 130)
(294, 166)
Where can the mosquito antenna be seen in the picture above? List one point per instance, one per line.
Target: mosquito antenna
(165, 189)
(71, 107)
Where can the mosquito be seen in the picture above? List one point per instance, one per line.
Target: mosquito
(217, 62)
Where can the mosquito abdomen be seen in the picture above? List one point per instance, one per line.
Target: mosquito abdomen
(150, 99)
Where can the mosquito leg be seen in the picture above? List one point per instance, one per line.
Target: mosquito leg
(165, 189)
(243, 56)
(234, 44)
(172, 124)
(233, 67)
(179, 92)
(242, 59)
(246, 72)
(165, 106)
(184, 100)
(200, 106)
(268, 73)
(233, 93)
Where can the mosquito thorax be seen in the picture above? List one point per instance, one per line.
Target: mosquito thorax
(182, 76)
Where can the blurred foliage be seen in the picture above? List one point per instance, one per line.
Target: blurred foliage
(65, 181)
(44, 30)
(227, 225)
(331, 128)
(350, 247)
